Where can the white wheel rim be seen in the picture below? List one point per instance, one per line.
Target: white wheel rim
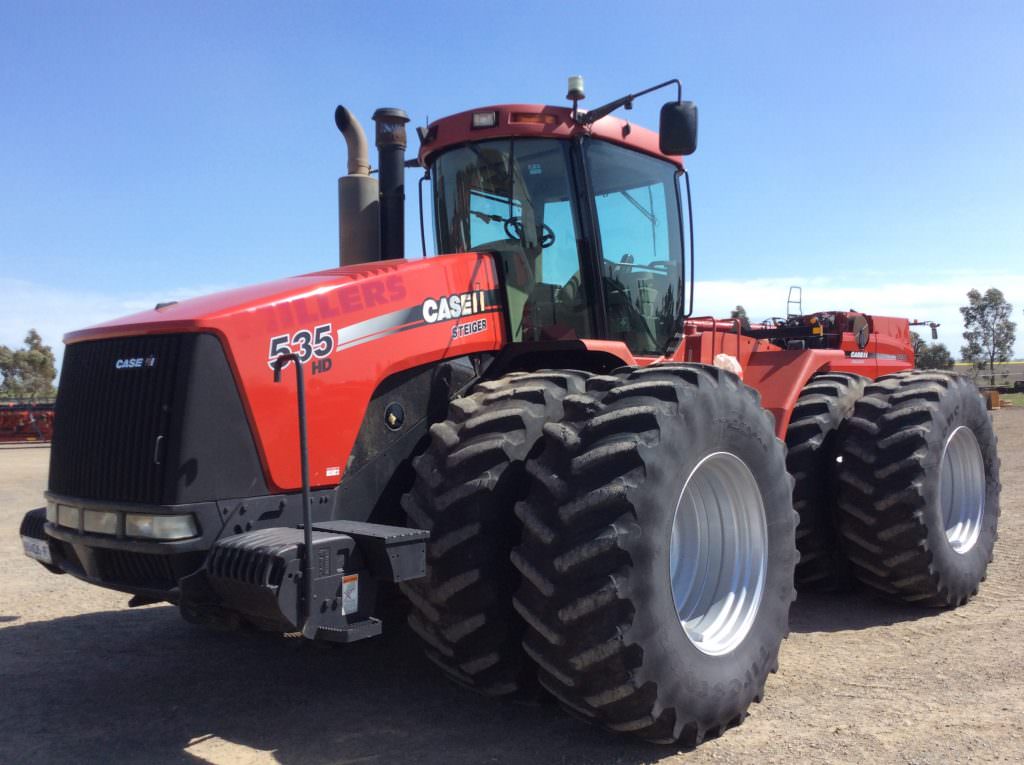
(962, 489)
(719, 553)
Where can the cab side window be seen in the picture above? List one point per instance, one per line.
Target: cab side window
(636, 198)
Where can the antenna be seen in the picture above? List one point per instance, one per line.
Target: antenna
(576, 93)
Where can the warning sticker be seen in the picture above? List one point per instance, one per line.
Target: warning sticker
(350, 593)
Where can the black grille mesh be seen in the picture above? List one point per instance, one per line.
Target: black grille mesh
(158, 572)
(107, 419)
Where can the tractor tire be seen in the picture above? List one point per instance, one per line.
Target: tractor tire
(825, 403)
(466, 484)
(620, 588)
(919, 488)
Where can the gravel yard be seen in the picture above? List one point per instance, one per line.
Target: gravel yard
(83, 679)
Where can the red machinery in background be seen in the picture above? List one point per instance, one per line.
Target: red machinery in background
(26, 422)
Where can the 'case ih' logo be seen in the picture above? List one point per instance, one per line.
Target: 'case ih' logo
(454, 306)
(137, 363)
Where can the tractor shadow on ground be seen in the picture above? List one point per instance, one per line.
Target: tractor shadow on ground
(142, 685)
(853, 610)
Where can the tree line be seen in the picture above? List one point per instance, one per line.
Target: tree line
(989, 335)
(28, 372)
(988, 332)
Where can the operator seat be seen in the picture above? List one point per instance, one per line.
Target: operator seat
(554, 312)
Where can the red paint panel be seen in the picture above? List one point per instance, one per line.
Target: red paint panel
(458, 129)
(376, 324)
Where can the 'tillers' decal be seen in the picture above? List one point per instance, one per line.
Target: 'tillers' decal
(319, 343)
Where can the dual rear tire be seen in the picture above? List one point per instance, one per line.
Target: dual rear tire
(897, 485)
(918, 491)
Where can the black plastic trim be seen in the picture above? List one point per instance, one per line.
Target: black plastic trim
(589, 242)
(556, 354)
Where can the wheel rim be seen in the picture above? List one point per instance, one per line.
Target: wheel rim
(719, 553)
(962, 489)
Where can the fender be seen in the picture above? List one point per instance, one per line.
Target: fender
(780, 377)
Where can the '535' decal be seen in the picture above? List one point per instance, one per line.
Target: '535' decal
(306, 344)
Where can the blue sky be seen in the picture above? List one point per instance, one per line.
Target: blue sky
(870, 152)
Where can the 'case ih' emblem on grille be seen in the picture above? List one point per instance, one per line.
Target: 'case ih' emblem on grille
(136, 363)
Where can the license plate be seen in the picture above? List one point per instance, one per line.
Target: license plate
(37, 548)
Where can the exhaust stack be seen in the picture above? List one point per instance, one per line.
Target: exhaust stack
(390, 140)
(358, 197)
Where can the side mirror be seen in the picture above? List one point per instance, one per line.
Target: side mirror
(677, 131)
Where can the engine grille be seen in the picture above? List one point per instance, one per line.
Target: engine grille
(132, 569)
(108, 419)
(136, 569)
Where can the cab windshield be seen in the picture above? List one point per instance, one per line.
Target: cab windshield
(515, 197)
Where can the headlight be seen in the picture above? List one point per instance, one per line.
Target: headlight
(99, 522)
(484, 119)
(160, 526)
(67, 516)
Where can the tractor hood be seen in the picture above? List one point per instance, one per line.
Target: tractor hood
(352, 326)
(346, 294)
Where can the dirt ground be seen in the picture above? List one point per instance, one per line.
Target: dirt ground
(83, 679)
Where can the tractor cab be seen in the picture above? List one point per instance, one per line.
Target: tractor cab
(584, 217)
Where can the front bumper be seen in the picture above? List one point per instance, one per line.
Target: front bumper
(148, 568)
(238, 568)
(154, 569)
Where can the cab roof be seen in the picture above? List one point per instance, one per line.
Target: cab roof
(534, 121)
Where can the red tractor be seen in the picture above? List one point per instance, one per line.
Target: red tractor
(577, 483)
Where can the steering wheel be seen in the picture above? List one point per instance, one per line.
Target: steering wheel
(624, 265)
(658, 265)
(514, 230)
(627, 264)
